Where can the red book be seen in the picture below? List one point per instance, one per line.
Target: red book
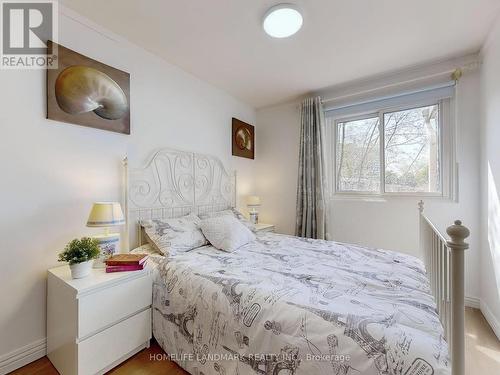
(126, 259)
(125, 268)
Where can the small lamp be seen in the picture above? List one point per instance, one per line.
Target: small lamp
(105, 215)
(253, 202)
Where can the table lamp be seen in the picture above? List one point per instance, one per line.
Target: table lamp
(253, 202)
(106, 215)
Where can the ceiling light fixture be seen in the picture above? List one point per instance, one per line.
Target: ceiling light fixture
(282, 21)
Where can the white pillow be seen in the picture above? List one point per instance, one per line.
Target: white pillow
(171, 236)
(232, 212)
(226, 233)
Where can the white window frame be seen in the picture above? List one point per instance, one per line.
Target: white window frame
(447, 161)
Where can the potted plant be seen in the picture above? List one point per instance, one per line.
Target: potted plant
(80, 255)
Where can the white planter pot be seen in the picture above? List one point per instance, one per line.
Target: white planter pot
(80, 270)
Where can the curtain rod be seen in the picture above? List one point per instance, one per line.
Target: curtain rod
(386, 97)
(455, 75)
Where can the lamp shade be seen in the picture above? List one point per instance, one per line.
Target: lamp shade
(253, 200)
(106, 214)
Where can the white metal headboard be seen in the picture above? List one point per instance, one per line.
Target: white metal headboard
(175, 183)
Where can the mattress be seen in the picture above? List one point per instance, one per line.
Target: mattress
(289, 305)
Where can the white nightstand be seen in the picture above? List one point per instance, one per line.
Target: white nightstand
(96, 322)
(261, 227)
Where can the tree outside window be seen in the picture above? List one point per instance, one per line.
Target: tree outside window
(390, 152)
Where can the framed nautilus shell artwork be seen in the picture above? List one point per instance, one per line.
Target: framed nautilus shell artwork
(86, 92)
(243, 139)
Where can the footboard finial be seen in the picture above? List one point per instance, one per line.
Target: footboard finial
(421, 206)
(458, 233)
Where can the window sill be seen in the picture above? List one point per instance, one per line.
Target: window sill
(359, 197)
(385, 197)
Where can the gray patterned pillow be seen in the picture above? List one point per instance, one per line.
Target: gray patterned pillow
(232, 212)
(171, 236)
(226, 233)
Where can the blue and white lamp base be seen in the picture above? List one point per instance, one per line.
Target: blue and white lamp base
(109, 245)
(254, 217)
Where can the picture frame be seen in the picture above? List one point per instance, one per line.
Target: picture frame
(86, 92)
(243, 139)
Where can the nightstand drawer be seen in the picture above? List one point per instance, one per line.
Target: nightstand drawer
(106, 306)
(108, 347)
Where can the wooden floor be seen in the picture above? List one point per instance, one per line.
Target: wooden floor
(482, 355)
(482, 348)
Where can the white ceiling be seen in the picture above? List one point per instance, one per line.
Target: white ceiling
(222, 41)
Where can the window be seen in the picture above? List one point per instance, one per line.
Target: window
(358, 155)
(412, 150)
(392, 151)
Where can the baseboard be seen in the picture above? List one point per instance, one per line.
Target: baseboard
(491, 319)
(473, 302)
(22, 356)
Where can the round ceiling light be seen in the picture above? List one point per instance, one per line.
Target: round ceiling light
(282, 21)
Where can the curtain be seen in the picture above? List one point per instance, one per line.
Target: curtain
(312, 182)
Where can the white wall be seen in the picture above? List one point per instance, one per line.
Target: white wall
(277, 146)
(52, 172)
(490, 179)
(386, 223)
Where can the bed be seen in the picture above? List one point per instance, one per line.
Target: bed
(288, 305)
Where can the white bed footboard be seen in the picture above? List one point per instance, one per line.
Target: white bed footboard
(444, 261)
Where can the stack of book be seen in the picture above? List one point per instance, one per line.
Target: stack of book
(126, 262)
